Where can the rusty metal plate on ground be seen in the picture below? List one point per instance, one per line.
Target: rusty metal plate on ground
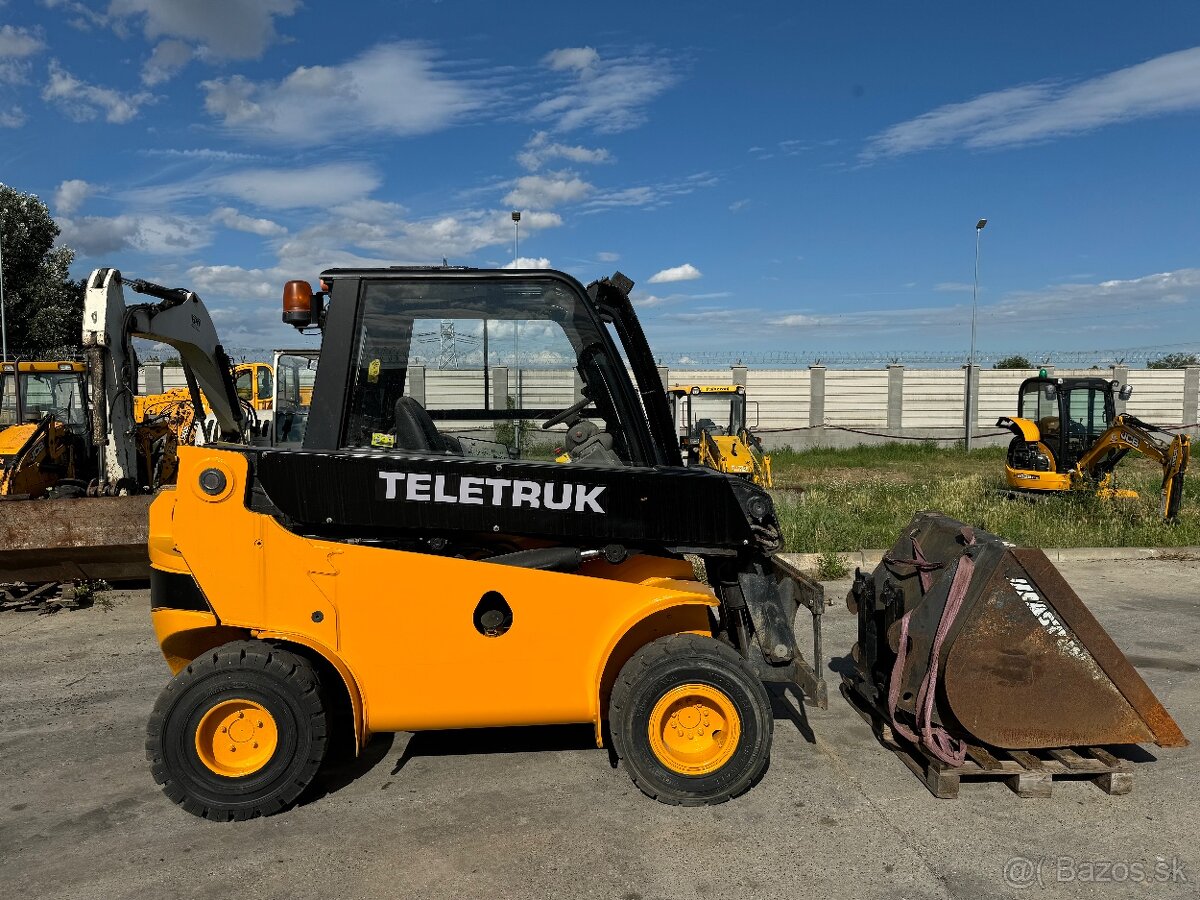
(65, 540)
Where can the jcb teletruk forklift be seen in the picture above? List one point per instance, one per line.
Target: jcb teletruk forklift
(396, 573)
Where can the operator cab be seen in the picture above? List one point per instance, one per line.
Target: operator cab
(715, 409)
(1071, 413)
(459, 362)
(31, 391)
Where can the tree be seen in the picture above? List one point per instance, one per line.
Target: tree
(1013, 362)
(1174, 361)
(43, 305)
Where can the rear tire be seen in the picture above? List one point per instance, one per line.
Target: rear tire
(239, 733)
(691, 721)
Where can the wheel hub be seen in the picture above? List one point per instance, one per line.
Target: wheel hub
(236, 738)
(694, 729)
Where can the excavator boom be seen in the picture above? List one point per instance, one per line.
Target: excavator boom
(105, 537)
(1129, 433)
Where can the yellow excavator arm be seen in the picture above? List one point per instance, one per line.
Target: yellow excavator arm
(1128, 433)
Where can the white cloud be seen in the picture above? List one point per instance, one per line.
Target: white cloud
(648, 301)
(83, 102)
(205, 153)
(395, 89)
(165, 62)
(953, 287)
(96, 236)
(13, 117)
(607, 256)
(540, 149)
(231, 218)
(1019, 115)
(315, 186)
(70, 195)
(237, 282)
(649, 196)
(528, 262)
(19, 43)
(739, 205)
(607, 95)
(577, 58)
(342, 238)
(686, 272)
(226, 29)
(547, 190)
(1172, 297)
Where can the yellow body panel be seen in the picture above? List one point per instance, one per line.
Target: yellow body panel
(400, 624)
(33, 468)
(1029, 429)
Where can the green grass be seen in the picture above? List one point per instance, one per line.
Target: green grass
(860, 498)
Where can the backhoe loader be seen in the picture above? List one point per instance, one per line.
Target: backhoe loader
(378, 573)
(1067, 436)
(714, 430)
(43, 429)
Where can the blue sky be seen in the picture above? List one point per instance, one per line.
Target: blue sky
(796, 176)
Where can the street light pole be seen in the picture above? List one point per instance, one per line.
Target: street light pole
(3, 320)
(516, 217)
(972, 392)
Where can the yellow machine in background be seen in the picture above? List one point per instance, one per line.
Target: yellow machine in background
(43, 428)
(1069, 437)
(714, 432)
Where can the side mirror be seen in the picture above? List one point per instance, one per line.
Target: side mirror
(1125, 392)
(754, 403)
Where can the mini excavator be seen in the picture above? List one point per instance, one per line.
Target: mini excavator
(1068, 436)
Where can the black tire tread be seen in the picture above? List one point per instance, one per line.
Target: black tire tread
(280, 663)
(680, 646)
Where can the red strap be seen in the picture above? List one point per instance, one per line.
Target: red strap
(936, 739)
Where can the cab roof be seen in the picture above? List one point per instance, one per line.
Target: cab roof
(679, 389)
(63, 366)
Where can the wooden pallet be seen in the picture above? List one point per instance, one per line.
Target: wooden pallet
(1028, 773)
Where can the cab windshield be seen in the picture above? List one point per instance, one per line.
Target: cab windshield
(42, 393)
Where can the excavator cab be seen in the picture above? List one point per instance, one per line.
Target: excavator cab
(1071, 414)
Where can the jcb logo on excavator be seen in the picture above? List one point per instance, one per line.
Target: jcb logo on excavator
(423, 487)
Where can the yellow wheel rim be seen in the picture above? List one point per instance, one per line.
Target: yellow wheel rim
(236, 738)
(694, 729)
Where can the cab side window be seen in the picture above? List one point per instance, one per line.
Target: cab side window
(264, 383)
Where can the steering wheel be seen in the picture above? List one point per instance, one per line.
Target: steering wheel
(573, 410)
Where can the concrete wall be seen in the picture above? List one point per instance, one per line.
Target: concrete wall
(826, 407)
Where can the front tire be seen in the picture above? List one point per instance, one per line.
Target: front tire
(239, 733)
(691, 721)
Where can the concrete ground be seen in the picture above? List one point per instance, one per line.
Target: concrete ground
(540, 812)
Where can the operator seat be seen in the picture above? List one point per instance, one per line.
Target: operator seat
(415, 430)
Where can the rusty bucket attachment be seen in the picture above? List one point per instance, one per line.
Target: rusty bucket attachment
(964, 638)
